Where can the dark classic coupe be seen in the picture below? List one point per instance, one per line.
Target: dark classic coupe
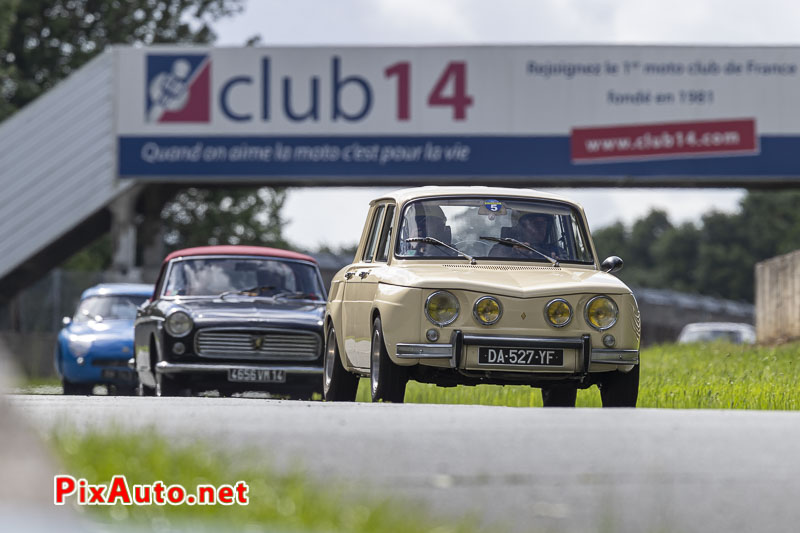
(232, 319)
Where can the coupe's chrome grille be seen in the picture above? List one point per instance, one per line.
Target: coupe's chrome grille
(258, 344)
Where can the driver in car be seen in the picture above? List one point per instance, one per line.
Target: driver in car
(432, 224)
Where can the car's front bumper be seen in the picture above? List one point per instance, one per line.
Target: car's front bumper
(453, 351)
(165, 367)
(96, 370)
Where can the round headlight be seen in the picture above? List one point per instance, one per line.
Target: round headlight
(441, 308)
(178, 324)
(487, 310)
(558, 312)
(601, 312)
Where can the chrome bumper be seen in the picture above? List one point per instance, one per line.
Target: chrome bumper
(452, 350)
(165, 367)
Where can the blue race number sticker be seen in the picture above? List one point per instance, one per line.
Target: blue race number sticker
(493, 205)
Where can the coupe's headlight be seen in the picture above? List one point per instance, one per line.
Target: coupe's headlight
(441, 308)
(601, 312)
(79, 344)
(558, 312)
(487, 310)
(178, 324)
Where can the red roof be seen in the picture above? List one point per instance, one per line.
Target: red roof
(239, 250)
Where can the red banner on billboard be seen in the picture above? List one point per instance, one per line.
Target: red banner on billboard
(667, 140)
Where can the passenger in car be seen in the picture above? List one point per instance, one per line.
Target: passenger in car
(533, 229)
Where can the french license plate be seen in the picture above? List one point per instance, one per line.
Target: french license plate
(109, 373)
(520, 356)
(256, 375)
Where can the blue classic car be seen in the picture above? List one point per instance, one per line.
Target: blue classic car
(95, 345)
(232, 319)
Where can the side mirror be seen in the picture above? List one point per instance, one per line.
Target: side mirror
(66, 321)
(612, 264)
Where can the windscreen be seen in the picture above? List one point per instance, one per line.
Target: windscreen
(117, 307)
(492, 228)
(247, 276)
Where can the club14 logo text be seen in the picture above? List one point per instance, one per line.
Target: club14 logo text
(179, 89)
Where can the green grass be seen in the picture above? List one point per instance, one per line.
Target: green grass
(696, 376)
(285, 502)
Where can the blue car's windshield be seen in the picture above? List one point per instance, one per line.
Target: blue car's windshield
(117, 307)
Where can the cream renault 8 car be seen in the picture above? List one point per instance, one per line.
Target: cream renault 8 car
(472, 285)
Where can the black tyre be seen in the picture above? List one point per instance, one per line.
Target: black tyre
(77, 389)
(620, 389)
(338, 385)
(387, 380)
(559, 396)
(166, 386)
(122, 390)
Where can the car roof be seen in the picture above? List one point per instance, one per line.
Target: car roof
(106, 289)
(404, 195)
(260, 251)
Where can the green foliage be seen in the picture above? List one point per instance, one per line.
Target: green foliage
(49, 39)
(717, 257)
(93, 258)
(693, 376)
(252, 216)
(279, 501)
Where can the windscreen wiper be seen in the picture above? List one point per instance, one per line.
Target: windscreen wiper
(431, 240)
(508, 241)
(247, 292)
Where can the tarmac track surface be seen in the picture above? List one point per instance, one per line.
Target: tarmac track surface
(528, 469)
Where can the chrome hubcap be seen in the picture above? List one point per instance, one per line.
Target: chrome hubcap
(330, 353)
(375, 361)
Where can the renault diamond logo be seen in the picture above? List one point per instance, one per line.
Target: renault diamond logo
(257, 342)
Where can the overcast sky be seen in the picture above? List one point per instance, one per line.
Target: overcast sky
(399, 22)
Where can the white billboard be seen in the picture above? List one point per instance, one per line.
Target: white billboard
(529, 112)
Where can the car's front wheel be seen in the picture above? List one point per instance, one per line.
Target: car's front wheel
(559, 396)
(620, 389)
(338, 384)
(387, 380)
(76, 389)
(166, 386)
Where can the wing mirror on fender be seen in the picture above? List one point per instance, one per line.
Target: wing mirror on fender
(612, 264)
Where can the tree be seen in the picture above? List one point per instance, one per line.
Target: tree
(49, 39)
(251, 216)
(716, 258)
(675, 256)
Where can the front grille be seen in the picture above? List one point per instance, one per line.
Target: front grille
(258, 344)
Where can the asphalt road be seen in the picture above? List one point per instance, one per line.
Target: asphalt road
(531, 469)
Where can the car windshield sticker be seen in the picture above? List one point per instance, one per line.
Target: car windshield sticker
(492, 207)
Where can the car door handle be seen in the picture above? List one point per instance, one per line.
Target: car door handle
(363, 274)
(349, 275)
